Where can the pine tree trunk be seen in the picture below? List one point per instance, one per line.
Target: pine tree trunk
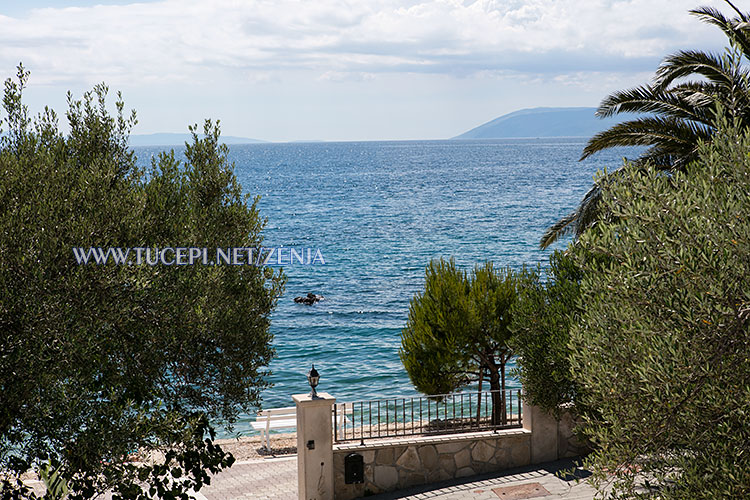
(497, 386)
(497, 400)
(479, 396)
(502, 394)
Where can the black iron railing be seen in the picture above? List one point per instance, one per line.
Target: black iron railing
(427, 415)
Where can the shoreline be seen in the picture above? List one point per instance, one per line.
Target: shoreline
(251, 447)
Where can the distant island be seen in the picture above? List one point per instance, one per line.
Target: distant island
(542, 122)
(165, 139)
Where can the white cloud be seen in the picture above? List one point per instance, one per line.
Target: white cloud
(342, 76)
(345, 69)
(594, 80)
(190, 42)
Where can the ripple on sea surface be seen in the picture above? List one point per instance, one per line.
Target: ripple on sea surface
(379, 211)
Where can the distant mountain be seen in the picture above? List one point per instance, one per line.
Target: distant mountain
(543, 122)
(179, 139)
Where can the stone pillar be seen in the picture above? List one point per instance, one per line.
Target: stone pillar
(543, 427)
(314, 446)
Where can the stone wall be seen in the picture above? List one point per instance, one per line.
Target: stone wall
(398, 464)
(568, 444)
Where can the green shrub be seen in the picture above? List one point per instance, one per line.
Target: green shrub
(99, 361)
(542, 318)
(662, 351)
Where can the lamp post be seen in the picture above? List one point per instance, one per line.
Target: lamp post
(314, 442)
(312, 378)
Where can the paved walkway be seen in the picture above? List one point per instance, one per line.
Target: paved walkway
(535, 481)
(276, 479)
(265, 479)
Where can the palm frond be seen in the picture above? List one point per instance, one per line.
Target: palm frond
(679, 135)
(588, 210)
(705, 95)
(698, 94)
(585, 214)
(663, 157)
(713, 67)
(682, 113)
(559, 229)
(743, 16)
(735, 29)
(647, 99)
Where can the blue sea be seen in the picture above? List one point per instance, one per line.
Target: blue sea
(378, 212)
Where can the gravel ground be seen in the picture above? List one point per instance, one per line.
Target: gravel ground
(251, 447)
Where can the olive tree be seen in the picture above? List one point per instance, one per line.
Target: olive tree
(542, 318)
(100, 361)
(662, 349)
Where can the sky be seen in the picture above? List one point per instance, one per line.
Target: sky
(343, 70)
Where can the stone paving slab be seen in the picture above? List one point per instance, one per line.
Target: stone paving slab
(485, 487)
(276, 479)
(267, 479)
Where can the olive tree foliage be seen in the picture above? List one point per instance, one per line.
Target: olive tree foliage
(542, 318)
(458, 331)
(100, 361)
(662, 350)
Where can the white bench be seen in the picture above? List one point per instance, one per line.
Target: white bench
(286, 418)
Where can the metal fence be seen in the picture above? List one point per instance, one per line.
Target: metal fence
(427, 415)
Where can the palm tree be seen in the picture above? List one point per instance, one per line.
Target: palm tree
(679, 114)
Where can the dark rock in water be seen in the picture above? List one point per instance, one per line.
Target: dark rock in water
(309, 299)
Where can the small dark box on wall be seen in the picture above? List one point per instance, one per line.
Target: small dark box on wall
(354, 469)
